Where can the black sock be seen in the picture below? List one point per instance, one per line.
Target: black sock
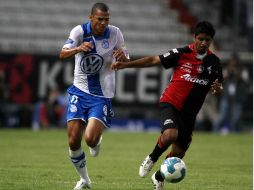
(158, 150)
(158, 176)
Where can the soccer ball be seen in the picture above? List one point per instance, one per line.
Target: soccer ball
(173, 170)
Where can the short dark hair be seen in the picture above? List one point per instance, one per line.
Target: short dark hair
(100, 6)
(204, 27)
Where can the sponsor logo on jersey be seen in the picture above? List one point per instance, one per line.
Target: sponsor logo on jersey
(166, 54)
(91, 63)
(105, 44)
(189, 78)
(168, 121)
(186, 67)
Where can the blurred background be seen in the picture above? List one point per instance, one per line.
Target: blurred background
(33, 81)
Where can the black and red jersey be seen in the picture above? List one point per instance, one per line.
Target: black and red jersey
(192, 77)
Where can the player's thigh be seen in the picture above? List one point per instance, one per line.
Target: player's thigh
(185, 130)
(168, 117)
(177, 150)
(94, 130)
(101, 111)
(97, 121)
(77, 108)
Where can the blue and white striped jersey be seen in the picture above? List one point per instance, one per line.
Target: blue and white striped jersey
(92, 73)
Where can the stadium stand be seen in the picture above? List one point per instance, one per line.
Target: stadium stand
(150, 27)
(35, 26)
(231, 34)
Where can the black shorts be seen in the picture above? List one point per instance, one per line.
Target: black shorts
(170, 117)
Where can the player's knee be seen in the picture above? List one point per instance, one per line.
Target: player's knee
(169, 136)
(74, 134)
(91, 140)
(74, 144)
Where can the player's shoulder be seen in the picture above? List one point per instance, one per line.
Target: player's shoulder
(77, 29)
(114, 29)
(213, 56)
(179, 50)
(115, 32)
(212, 59)
(185, 49)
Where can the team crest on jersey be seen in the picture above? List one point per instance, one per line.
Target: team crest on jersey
(73, 108)
(200, 69)
(91, 63)
(105, 44)
(105, 110)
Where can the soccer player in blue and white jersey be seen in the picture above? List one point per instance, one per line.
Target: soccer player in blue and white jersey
(96, 45)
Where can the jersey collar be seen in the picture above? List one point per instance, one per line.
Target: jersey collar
(105, 35)
(199, 56)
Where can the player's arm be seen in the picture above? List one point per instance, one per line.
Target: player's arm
(120, 51)
(148, 61)
(216, 87)
(69, 52)
(74, 44)
(120, 55)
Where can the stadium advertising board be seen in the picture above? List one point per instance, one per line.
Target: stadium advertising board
(30, 77)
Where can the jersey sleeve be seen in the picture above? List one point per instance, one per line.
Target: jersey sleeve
(75, 37)
(219, 73)
(170, 58)
(120, 43)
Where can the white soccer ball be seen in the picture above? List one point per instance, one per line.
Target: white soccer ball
(173, 170)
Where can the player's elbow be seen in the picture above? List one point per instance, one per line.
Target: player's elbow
(64, 54)
(61, 56)
(153, 61)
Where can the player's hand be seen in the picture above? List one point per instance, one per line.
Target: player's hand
(86, 47)
(119, 55)
(216, 87)
(118, 65)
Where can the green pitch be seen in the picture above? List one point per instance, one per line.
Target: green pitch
(39, 161)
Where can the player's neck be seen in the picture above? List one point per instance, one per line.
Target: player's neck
(201, 55)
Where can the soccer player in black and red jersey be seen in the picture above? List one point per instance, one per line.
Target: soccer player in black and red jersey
(196, 72)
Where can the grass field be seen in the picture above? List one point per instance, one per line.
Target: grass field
(39, 161)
